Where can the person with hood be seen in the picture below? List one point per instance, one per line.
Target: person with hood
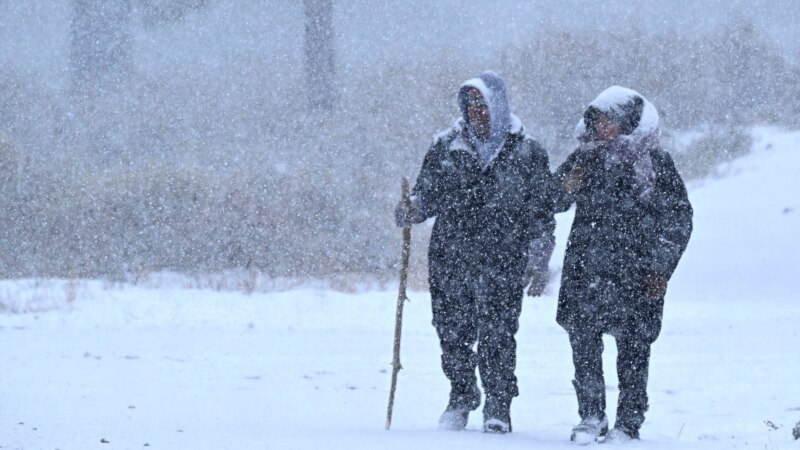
(488, 185)
(632, 223)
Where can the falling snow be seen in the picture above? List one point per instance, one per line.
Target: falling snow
(196, 233)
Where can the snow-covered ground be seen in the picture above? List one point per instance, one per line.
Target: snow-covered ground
(90, 365)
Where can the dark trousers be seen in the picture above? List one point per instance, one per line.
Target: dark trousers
(633, 359)
(483, 310)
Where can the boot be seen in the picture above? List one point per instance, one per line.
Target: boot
(497, 415)
(456, 415)
(620, 435)
(589, 430)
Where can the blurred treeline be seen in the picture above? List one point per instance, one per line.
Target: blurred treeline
(209, 169)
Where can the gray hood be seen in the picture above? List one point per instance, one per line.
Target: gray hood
(493, 89)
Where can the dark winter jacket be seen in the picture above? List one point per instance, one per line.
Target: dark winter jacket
(632, 219)
(486, 213)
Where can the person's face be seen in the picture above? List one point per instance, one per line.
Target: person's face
(607, 129)
(478, 113)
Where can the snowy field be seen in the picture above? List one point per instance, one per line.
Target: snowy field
(87, 365)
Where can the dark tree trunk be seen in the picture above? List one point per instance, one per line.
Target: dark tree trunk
(319, 53)
(100, 47)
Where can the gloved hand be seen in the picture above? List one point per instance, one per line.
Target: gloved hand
(538, 281)
(539, 252)
(403, 217)
(655, 285)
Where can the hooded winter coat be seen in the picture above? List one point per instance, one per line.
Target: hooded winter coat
(632, 220)
(491, 199)
(488, 207)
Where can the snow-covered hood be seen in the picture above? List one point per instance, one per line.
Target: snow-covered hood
(624, 106)
(638, 121)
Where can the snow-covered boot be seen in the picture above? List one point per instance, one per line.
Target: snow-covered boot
(497, 415)
(589, 430)
(620, 435)
(456, 415)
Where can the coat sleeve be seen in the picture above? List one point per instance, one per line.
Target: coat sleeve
(562, 201)
(542, 196)
(675, 217)
(542, 223)
(430, 189)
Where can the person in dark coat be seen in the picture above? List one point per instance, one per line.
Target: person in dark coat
(632, 223)
(489, 186)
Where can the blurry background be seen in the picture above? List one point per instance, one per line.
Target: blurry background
(204, 136)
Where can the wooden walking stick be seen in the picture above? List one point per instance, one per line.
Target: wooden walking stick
(401, 298)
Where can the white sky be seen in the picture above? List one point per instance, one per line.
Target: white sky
(34, 35)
